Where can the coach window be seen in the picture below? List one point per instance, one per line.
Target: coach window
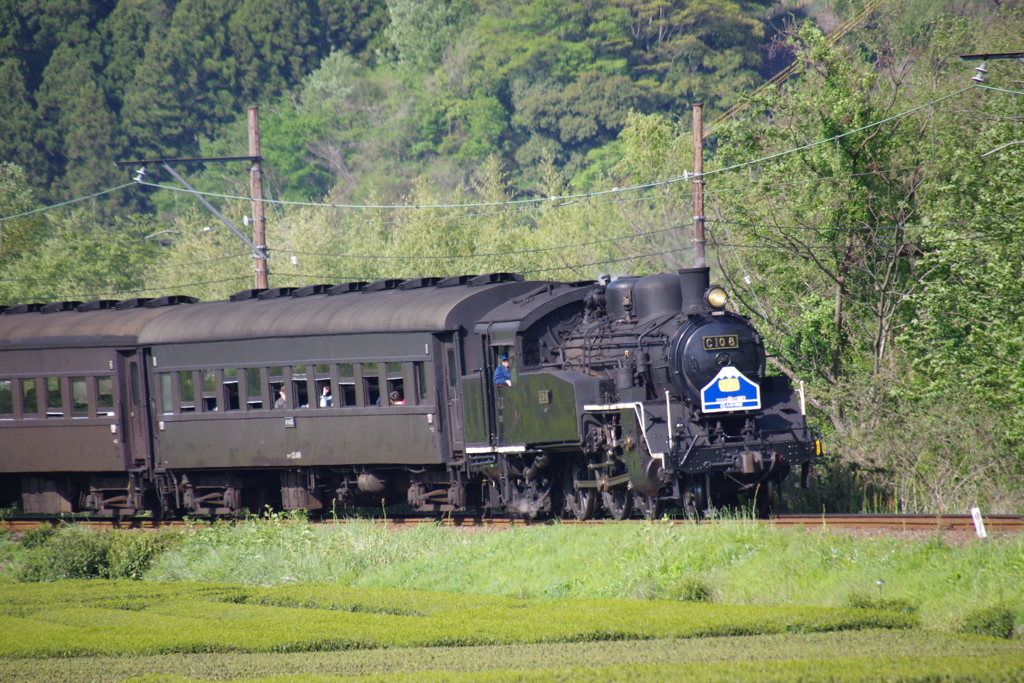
(371, 385)
(79, 397)
(6, 399)
(277, 383)
(231, 400)
(209, 379)
(29, 398)
(322, 380)
(166, 394)
(396, 383)
(54, 397)
(300, 387)
(253, 389)
(105, 395)
(188, 391)
(346, 385)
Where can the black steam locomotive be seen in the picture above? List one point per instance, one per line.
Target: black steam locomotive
(638, 394)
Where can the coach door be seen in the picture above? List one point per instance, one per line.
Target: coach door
(452, 370)
(133, 406)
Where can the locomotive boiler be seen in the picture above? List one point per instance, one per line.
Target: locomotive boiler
(637, 394)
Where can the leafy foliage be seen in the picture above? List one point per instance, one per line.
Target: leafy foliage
(78, 553)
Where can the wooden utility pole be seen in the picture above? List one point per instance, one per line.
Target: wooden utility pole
(259, 235)
(699, 258)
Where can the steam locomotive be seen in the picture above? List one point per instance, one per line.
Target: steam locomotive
(624, 397)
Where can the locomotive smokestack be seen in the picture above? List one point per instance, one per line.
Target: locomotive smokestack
(693, 282)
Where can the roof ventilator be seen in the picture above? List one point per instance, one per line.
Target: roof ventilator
(172, 300)
(60, 306)
(310, 290)
(419, 283)
(97, 305)
(246, 294)
(24, 308)
(277, 293)
(455, 280)
(381, 285)
(346, 287)
(493, 278)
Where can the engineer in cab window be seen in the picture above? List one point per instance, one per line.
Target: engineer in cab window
(502, 374)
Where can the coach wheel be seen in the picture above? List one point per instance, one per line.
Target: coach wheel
(579, 502)
(649, 506)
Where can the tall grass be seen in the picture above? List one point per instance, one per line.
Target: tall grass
(728, 562)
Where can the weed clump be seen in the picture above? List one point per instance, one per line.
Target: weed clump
(693, 590)
(865, 601)
(38, 537)
(77, 553)
(994, 621)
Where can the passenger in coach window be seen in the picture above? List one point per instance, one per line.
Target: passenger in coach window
(282, 401)
(396, 398)
(502, 375)
(326, 400)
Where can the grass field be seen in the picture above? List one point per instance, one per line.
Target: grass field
(282, 600)
(128, 630)
(732, 562)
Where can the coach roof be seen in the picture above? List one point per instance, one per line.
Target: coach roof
(75, 329)
(432, 309)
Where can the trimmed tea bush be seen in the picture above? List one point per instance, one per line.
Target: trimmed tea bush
(988, 621)
(77, 618)
(866, 601)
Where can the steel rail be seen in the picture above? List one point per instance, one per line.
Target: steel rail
(876, 522)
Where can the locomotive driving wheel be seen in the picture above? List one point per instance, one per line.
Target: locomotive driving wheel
(617, 500)
(649, 506)
(579, 502)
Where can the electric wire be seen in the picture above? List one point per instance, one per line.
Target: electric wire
(868, 228)
(783, 75)
(128, 272)
(70, 201)
(483, 255)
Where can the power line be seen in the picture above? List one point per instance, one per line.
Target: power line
(482, 255)
(867, 228)
(125, 272)
(466, 205)
(841, 247)
(835, 138)
(778, 78)
(70, 201)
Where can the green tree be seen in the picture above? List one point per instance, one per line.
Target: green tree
(17, 235)
(17, 119)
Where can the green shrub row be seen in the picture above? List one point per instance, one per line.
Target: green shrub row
(74, 552)
(103, 617)
(840, 670)
(994, 621)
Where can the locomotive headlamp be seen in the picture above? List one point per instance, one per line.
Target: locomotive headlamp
(716, 297)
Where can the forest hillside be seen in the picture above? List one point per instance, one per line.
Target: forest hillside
(864, 201)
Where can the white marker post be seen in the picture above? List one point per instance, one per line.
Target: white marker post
(979, 524)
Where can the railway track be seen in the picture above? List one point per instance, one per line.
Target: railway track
(888, 523)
